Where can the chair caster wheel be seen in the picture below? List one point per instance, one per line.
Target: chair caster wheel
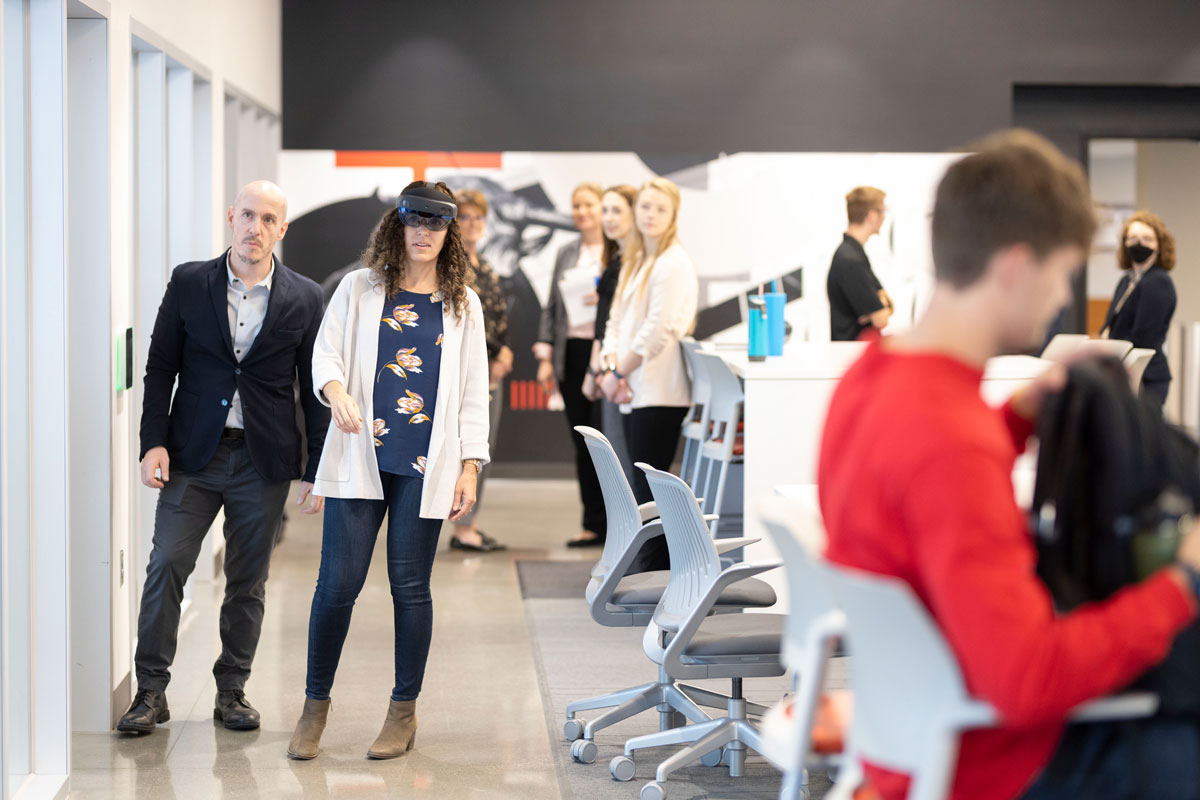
(713, 757)
(622, 768)
(583, 751)
(653, 791)
(573, 729)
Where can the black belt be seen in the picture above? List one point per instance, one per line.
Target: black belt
(233, 433)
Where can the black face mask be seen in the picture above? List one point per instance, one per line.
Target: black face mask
(1138, 253)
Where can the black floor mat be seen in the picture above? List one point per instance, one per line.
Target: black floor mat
(553, 578)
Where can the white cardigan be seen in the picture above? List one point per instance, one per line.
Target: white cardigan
(651, 323)
(346, 350)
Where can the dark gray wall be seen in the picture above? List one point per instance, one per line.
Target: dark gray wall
(680, 76)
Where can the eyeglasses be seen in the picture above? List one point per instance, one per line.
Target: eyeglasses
(417, 219)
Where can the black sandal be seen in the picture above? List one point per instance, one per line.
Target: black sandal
(486, 544)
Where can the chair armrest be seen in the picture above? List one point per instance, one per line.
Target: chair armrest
(1132, 705)
(621, 567)
(726, 545)
(738, 572)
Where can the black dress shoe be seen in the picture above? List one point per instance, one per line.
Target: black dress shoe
(148, 710)
(232, 709)
(486, 544)
(595, 541)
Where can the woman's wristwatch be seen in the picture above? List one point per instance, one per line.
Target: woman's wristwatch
(476, 463)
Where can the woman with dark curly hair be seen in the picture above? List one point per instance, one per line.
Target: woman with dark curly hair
(1144, 301)
(402, 347)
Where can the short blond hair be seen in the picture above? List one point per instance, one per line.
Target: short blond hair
(472, 197)
(861, 200)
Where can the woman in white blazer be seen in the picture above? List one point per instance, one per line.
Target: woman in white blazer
(401, 361)
(654, 308)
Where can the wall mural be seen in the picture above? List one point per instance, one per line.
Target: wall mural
(745, 218)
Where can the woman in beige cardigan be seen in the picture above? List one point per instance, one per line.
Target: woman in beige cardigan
(401, 348)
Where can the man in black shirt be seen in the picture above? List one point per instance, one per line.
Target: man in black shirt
(857, 300)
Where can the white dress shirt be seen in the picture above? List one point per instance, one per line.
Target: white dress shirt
(247, 308)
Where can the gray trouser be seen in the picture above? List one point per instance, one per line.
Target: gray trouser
(187, 506)
(495, 406)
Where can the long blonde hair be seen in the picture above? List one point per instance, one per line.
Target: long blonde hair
(633, 256)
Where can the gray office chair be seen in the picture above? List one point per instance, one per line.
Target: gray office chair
(814, 626)
(695, 424)
(617, 600)
(723, 440)
(911, 703)
(686, 641)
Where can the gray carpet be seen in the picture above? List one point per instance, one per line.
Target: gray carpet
(576, 658)
(561, 579)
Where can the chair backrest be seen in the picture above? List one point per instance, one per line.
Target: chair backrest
(695, 564)
(812, 609)
(620, 506)
(696, 371)
(1062, 345)
(1117, 348)
(1136, 363)
(728, 397)
(907, 684)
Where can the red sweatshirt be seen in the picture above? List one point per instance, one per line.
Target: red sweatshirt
(916, 482)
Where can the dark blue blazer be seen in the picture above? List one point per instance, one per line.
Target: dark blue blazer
(192, 342)
(1145, 318)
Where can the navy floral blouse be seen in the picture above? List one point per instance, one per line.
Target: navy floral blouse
(406, 380)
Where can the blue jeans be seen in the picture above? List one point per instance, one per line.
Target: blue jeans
(1155, 759)
(351, 527)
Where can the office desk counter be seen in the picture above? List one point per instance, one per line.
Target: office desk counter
(787, 398)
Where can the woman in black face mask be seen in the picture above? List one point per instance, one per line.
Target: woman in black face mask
(1144, 302)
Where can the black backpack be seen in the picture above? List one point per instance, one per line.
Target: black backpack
(1113, 481)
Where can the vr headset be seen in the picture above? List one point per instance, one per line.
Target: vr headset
(427, 205)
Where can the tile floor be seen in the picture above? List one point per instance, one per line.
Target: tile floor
(483, 731)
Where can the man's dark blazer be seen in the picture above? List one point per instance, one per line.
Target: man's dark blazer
(192, 341)
(1145, 318)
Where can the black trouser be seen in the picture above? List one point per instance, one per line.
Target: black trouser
(652, 436)
(581, 411)
(1155, 758)
(187, 506)
(1156, 392)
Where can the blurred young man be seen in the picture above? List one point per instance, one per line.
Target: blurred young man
(857, 301)
(915, 482)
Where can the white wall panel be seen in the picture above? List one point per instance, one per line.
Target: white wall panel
(15, 549)
(89, 332)
(50, 384)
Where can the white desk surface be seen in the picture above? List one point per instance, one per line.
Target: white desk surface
(786, 400)
(829, 360)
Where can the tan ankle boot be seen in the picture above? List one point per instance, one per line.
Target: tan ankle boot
(306, 741)
(399, 730)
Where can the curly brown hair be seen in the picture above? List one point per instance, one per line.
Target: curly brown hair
(1166, 242)
(385, 257)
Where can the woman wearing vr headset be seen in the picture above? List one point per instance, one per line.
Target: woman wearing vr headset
(401, 361)
(654, 308)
